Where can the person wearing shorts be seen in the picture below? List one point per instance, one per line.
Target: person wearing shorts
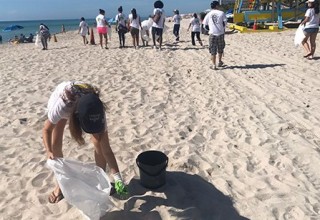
(311, 28)
(134, 26)
(102, 28)
(157, 26)
(216, 21)
(79, 104)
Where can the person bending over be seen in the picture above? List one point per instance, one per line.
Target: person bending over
(79, 104)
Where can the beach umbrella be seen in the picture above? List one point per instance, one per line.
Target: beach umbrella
(12, 28)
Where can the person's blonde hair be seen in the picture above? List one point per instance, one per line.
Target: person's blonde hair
(75, 128)
(76, 131)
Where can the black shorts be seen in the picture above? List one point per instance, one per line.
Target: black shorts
(216, 44)
(157, 31)
(134, 31)
(311, 30)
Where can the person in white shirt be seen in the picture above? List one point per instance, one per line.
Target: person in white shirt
(176, 26)
(145, 27)
(45, 35)
(121, 27)
(311, 28)
(216, 21)
(102, 28)
(80, 104)
(83, 30)
(195, 24)
(159, 18)
(134, 26)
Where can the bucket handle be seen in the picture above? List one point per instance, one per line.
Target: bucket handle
(149, 173)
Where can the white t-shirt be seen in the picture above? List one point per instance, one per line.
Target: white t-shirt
(101, 21)
(121, 19)
(216, 20)
(134, 22)
(162, 19)
(57, 108)
(314, 19)
(195, 23)
(176, 19)
(83, 28)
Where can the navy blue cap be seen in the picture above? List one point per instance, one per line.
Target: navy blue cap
(91, 114)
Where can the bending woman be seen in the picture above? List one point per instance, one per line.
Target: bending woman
(44, 35)
(79, 103)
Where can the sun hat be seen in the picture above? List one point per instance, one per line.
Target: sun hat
(158, 4)
(91, 113)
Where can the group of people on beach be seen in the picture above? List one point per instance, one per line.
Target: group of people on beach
(22, 39)
(133, 25)
(155, 25)
(212, 24)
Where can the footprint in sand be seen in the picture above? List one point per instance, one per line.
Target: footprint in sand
(293, 213)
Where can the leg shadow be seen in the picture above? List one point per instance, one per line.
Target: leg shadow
(253, 66)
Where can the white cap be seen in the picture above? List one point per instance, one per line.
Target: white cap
(309, 1)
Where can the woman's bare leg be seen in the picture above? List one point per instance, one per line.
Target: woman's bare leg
(98, 154)
(57, 139)
(313, 38)
(305, 44)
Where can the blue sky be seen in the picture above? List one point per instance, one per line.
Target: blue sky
(16, 10)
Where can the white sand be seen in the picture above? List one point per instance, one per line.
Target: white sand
(243, 142)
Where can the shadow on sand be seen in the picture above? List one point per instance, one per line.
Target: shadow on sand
(253, 66)
(185, 196)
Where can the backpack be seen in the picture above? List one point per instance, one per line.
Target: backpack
(157, 16)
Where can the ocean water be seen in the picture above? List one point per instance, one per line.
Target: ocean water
(33, 27)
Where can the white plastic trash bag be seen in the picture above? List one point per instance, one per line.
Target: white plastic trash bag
(37, 41)
(299, 36)
(85, 186)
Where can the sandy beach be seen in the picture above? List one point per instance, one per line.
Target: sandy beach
(243, 141)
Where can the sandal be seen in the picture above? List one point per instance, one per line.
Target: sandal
(306, 56)
(53, 198)
(220, 64)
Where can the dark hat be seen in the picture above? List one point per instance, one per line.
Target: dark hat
(158, 4)
(214, 4)
(91, 113)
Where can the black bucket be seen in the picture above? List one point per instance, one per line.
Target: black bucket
(152, 166)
